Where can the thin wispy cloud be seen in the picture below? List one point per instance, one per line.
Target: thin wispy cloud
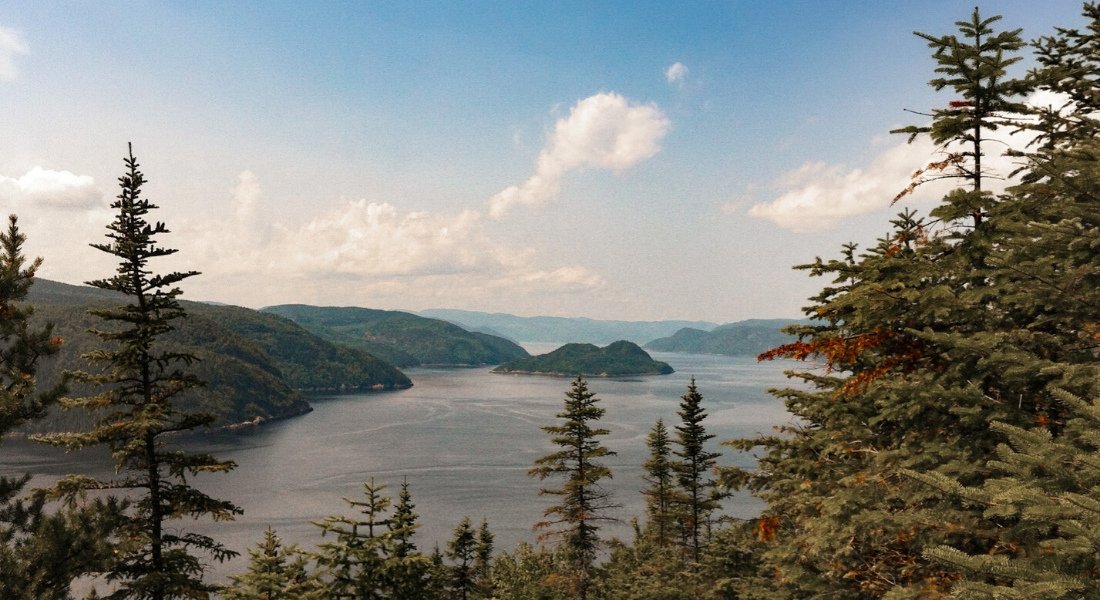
(604, 131)
(675, 73)
(12, 44)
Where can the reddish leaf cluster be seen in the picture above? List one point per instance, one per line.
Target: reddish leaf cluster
(766, 528)
(893, 351)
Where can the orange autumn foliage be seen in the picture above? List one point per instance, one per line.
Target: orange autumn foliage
(893, 351)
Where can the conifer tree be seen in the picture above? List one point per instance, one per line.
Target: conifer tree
(42, 550)
(372, 555)
(275, 572)
(698, 492)
(660, 495)
(354, 562)
(483, 560)
(975, 67)
(462, 550)
(411, 570)
(584, 502)
(142, 383)
(1046, 496)
(404, 522)
(907, 329)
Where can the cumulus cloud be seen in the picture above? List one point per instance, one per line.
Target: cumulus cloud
(675, 73)
(604, 131)
(362, 252)
(55, 189)
(12, 44)
(818, 195)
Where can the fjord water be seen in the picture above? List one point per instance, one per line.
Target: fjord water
(464, 439)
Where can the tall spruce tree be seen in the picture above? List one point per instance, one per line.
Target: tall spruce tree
(907, 329)
(411, 570)
(584, 502)
(698, 496)
(42, 548)
(142, 383)
(660, 495)
(462, 550)
(1044, 481)
(974, 65)
(483, 561)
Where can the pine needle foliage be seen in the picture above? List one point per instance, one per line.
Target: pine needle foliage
(43, 548)
(275, 572)
(1046, 495)
(371, 555)
(141, 384)
(584, 502)
(974, 65)
(698, 494)
(660, 493)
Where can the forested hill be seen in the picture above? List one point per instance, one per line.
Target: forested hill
(743, 338)
(563, 329)
(255, 364)
(402, 338)
(619, 359)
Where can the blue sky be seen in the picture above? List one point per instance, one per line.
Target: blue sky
(532, 158)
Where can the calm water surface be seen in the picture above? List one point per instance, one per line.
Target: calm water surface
(464, 438)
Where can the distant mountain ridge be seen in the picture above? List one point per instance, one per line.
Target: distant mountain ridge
(563, 329)
(403, 338)
(743, 338)
(618, 359)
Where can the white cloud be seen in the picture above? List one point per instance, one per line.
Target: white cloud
(56, 189)
(604, 131)
(12, 44)
(246, 195)
(675, 73)
(818, 195)
(363, 253)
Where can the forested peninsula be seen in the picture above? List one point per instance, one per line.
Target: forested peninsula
(256, 366)
(743, 338)
(402, 338)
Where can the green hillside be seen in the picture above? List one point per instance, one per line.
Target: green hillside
(402, 338)
(619, 359)
(255, 364)
(743, 338)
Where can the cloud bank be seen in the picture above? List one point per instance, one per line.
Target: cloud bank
(604, 131)
(12, 44)
(376, 252)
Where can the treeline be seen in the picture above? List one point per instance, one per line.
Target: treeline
(949, 448)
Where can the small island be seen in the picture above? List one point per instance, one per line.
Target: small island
(619, 359)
